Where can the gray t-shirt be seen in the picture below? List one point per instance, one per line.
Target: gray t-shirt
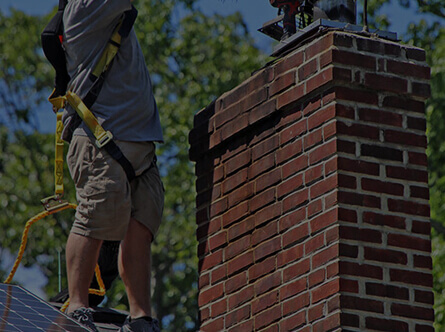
(125, 105)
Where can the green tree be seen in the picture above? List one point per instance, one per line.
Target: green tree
(193, 59)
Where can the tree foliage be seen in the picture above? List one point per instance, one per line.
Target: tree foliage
(192, 58)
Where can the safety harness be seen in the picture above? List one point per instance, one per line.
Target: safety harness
(52, 38)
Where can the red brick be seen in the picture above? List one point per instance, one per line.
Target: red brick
(409, 207)
(362, 304)
(234, 127)
(426, 297)
(266, 301)
(234, 181)
(289, 62)
(295, 165)
(319, 80)
(316, 277)
(265, 147)
(211, 294)
(262, 111)
(264, 164)
(242, 327)
(323, 152)
(416, 123)
(353, 198)
(289, 151)
(417, 158)
(359, 96)
(237, 247)
(324, 220)
(307, 70)
(347, 181)
(314, 207)
(353, 59)
(261, 269)
(219, 308)
(296, 303)
(219, 274)
(295, 200)
(293, 131)
(211, 260)
(267, 317)
(241, 297)
(314, 243)
(312, 139)
(380, 116)
(329, 129)
(387, 291)
(347, 250)
(389, 325)
(261, 200)
(405, 138)
(349, 286)
(407, 174)
(315, 311)
(361, 270)
(421, 227)
(385, 255)
(422, 90)
(235, 213)
(382, 187)
(386, 83)
(241, 194)
(423, 262)
(267, 180)
(241, 228)
(290, 255)
(270, 212)
(237, 315)
(293, 288)
(267, 248)
(267, 283)
(293, 322)
(217, 240)
(330, 323)
(214, 325)
(409, 242)
(392, 221)
(412, 312)
(265, 232)
(282, 83)
(290, 97)
(290, 185)
(311, 106)
(240, 263)
(324, 186)
(360, 234)
(319, 46)
(237, 162)
(404, 103)
(296, 270)
(235, 283)
(323, 257)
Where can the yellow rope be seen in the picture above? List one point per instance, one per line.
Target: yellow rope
(29, 223)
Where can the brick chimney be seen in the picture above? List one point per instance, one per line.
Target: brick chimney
(312, 204)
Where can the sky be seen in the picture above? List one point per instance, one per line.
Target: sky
(255, 13)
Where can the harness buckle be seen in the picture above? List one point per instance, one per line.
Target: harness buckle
(103, 139)
(53, 203)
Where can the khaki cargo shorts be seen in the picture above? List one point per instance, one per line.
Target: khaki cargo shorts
(106, 200)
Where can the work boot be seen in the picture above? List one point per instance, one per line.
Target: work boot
(85, 317)
(142, 324)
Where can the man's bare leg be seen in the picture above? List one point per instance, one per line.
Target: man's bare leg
(81, 258)
(135, 268)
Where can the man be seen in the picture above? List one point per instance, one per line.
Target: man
(109, 206)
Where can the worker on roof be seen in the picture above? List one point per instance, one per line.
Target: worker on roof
(110, 207)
